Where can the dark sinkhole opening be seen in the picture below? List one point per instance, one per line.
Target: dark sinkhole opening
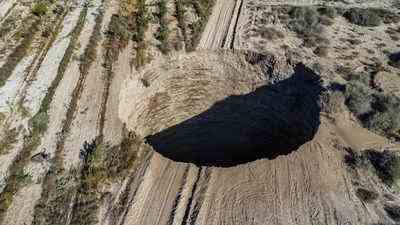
(273, 120)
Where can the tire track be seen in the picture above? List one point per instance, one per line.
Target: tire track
(118, 213)
(196, 200)
(178, 196)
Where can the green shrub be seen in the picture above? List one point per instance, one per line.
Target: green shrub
(393, 212)
(163, 31)
(358, 98)
(333, 101)
(119, 27)
(23, 177)
(328, 11)
(39, 122)
(385, 118)
(271, 33)
(385, 164)
(357, 159)
(394, 60)
(306, 23)
(377, 111)
(40, 9)
(7, 142)
(387, 16)
(363, 17)
(366, 195)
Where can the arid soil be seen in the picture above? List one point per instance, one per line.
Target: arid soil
(76, 109)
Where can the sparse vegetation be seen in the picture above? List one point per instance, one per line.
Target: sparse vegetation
(19, 52)
(385, 164)
(142, 19)
(40, 122)
(180, 16)
(2, 117)
(203, 9)
(394, 60)
(120, 28)
(362, 17)
(23, 177)
(370, 17)
(328, 11)
(271, 33)
(163, 30)
(376, 111)
(7, 142)
(40, 8)
(56, 200)
(306, 23)
(359, 95)
(38, 125)
(90, 53)
(102, 164)
(366, 195)
(393, 212)
(333, 101)
(321, 51)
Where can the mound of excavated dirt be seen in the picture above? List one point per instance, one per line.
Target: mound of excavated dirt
(222, 108)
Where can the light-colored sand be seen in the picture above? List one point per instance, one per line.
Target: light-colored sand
(85, 125)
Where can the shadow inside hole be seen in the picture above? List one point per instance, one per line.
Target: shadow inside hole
(271, 121)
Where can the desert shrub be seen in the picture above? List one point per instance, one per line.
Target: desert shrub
(7, 142)
(387, 16)
(324, 20)
(359, 97)
(321, 51)
(306, 23)
(304, 20)
(2, 117)
(39, 122)
(343, 70)
(40, 9)
(385, 118)
(163, 31)
(271, 33)
(119, 27)
(366, 195)
(356, 160)
(328, 11)
(386, 165)
(143, 18)
(363, 17)
(394, 59)
(393, 212)
(23, 177)
(332, 102)
(377, 111)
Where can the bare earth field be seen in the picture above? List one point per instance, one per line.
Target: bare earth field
(91, 92)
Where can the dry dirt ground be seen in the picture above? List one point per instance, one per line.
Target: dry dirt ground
(60, 83)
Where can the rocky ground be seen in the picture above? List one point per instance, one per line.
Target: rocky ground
(67, 157)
